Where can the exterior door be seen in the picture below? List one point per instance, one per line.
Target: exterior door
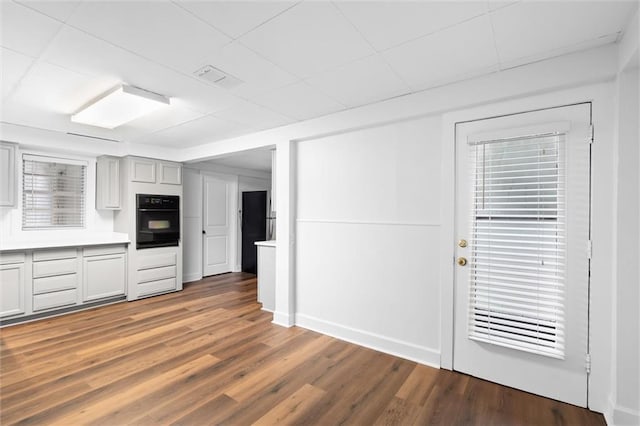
(218, 224)
(522, 273)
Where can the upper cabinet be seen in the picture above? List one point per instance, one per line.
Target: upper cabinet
(7, 174)
(142, 170)
(108, 183)
(147, 170)
(170, 173)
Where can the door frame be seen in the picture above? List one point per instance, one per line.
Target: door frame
(601, 99)
(233, 216)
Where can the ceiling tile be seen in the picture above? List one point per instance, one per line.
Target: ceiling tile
(158, 30)
(388, 23)
(546, 26)
(59, 90)
(196, 132)
(60, 10)
(254, 160)
(360, 82)
(299, 101)
(235, 18)
(254, 116)
(164, 118)
(308, 38)
(445, 56)
(14, 66)
(256, 72)
(495, 5)
(86, 54)
(25, 30)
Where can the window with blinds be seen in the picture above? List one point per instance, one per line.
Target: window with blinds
(53, 193)
(519, 243)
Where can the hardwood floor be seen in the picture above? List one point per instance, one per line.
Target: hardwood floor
(208, 355)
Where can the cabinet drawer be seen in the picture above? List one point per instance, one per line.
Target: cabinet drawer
(156, 274)
(66, 253)
(102, 250)
(159, 286)
(55, 299)
(156, 261)
(55, 267)
(15, 257)
(57, 283)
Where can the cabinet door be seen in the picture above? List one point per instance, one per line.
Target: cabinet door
(7, 174)
(170, 173)
(104, 276)
(11, 289)
(108, 183)
(142, 170)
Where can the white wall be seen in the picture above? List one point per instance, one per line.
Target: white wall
(626, 402)
(367, 256)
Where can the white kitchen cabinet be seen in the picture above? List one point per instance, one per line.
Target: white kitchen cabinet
(12, 289)
(108, 183)
(104, 272)
(8, 179)
(55, 278)
(142, 170)
(157, 272)
(169, 173)
(147, 170)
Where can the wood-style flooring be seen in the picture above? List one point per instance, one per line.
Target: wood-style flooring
(209, 355)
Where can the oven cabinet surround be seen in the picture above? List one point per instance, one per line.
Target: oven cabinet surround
(267, 274)
(47, 280)
(156, 270)
(8, 181)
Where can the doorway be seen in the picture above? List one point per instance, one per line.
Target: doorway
(254, 227)
(522, 227)
(219, 224)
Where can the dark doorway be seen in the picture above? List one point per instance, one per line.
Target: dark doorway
(254, 227)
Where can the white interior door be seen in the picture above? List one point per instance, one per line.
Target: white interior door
(522, 206)
(219, 224)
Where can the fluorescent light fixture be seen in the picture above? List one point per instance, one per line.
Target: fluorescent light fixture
(118, 106)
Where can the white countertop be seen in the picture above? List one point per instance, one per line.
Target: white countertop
(65, 239)
(270, 243)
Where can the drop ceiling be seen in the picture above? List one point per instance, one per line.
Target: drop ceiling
(297, 60)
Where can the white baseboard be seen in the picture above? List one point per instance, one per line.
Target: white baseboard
(187, 278)
(618, 415)
(283, 319)
(410, 351)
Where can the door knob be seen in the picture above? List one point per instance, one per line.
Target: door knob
(462, 243)
(204, 232)
(462, 261)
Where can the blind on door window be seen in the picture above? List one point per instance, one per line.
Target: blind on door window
(53, 192)
(517, 281)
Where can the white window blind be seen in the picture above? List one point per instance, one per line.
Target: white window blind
(53, 192)
(519, 243)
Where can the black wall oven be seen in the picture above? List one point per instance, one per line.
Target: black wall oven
(157, 220)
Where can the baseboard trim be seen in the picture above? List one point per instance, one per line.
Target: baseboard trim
(283, 319)
(406, 350)
(187, 278)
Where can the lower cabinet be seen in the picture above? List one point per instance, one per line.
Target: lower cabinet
(48, 280)
(12, 289)
(104, 272)
(157, 273)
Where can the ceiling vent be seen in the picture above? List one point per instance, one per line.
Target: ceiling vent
(218, 77)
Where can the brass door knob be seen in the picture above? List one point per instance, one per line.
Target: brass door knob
(462, 261)
(462, 243)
